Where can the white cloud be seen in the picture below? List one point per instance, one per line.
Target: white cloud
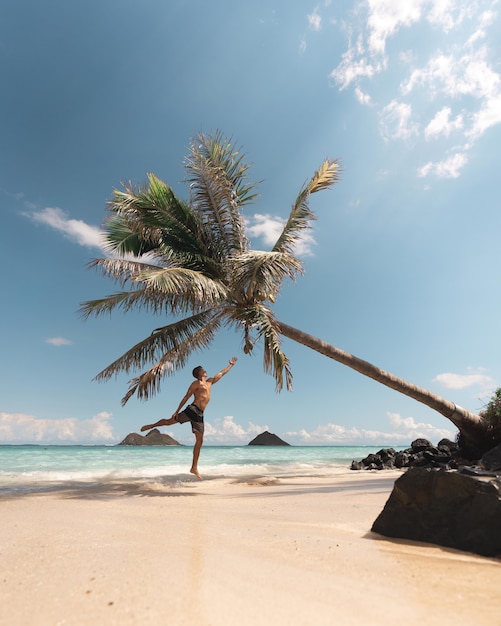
(362, 97)
(450, 380)
(314, 20)
(58, 341)
(266, 227)
(425, 169)
(403, 432)
(226, 431)
(396, 121)
(386, 17)
(441, 124)
(407, 427)
(352, 69)
(457, 74)
(453, 75)
(382, 174)
(449, 168)
(489, 115)
(442, 13)
(76, 230)
(22, 428)
(269, 228)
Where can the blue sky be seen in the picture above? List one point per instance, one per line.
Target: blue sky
(401, 268)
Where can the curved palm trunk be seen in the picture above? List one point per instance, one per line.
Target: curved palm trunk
(469, 424)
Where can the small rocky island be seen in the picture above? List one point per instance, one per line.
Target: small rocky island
(153, 438)
(268, 439)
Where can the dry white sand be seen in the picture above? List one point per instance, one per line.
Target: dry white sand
(294, 551)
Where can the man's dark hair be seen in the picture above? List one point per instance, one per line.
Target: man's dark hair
(196, 371)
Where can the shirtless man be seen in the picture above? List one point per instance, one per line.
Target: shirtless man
(194, 413)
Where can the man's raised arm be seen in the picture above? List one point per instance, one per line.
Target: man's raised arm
(218, 376)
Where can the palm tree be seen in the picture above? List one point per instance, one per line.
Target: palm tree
(191, 260)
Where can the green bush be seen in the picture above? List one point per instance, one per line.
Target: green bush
(491, 415)
(492, 411)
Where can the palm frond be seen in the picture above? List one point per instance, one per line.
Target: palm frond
(122, 271)
(158, 290)
(275, 360)
(217, 175)
(147, 384)
(142, 213)
(258, 275)
(301, 215)
(150, 218)
(184, 289)
(258, 320)
(327, 175)
(149, 380)
(196, 331)
(122, 238)
(125, 300)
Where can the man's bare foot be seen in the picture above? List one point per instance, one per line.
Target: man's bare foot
(195, 471)
(148, 427)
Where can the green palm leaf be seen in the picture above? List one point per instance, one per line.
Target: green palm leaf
(301, 215)
(218, 189)
(258, 275)
(158, 289)
(151, 218)
(141, 214)
(176, 342)
(179, 338)
(275, 361)
(259, 324)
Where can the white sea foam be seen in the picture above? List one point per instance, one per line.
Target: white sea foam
(26, 468)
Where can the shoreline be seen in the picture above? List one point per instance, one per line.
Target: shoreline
(27, 469)
(256, 550)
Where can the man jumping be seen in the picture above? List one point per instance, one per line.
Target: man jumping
(194, 412)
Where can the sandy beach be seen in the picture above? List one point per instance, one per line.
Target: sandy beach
(254, 552)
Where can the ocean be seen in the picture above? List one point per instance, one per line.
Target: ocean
(28, 468)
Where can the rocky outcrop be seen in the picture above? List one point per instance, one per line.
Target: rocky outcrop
(422, 453)
(447, 508)
(267, 439)
(153, 438)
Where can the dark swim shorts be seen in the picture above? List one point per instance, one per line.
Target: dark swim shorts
(194, 415)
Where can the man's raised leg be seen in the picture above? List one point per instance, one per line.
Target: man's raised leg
(162, 422)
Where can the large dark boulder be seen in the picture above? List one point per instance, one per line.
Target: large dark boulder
(418, 445)
(267, 439)
(153, 438)
(491, 460)
(447, 508)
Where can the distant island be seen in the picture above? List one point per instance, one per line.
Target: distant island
(268, 439)
(156, 438)
(153, 438)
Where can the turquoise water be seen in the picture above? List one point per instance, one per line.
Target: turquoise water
(25, 468)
